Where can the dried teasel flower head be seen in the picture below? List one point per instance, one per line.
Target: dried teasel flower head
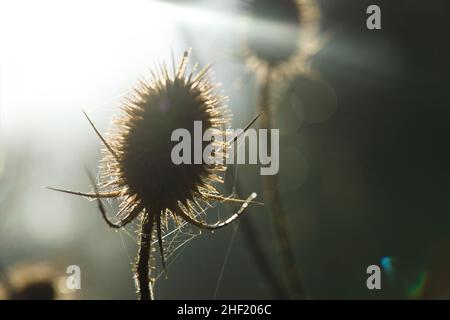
(281, 36)
(140, 168)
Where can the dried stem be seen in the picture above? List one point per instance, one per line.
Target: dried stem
(254, 246)
(273, 200)
(143, 259)
(261, 260)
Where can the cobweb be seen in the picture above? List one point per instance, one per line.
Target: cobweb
(177, 237)
(175, 240)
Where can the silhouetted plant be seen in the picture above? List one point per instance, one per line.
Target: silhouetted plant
(137, 165)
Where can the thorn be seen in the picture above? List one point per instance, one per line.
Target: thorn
(100, 136)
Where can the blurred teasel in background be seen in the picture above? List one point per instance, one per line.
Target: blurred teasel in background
(280, 37)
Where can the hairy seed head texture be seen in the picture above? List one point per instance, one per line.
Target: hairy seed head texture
(141, 168)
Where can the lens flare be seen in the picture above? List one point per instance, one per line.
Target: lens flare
(414, 290)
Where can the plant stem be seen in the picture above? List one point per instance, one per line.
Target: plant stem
(251, 239)
(256, 249)
(273, 199)
(143, 258)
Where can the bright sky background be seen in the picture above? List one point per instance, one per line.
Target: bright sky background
(57, 57)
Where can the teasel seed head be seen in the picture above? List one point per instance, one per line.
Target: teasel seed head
(281, 36)
(141, 169)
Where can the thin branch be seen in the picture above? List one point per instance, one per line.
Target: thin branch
(257, 251)
(101, 208)
(218, 224)
(273, 199)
